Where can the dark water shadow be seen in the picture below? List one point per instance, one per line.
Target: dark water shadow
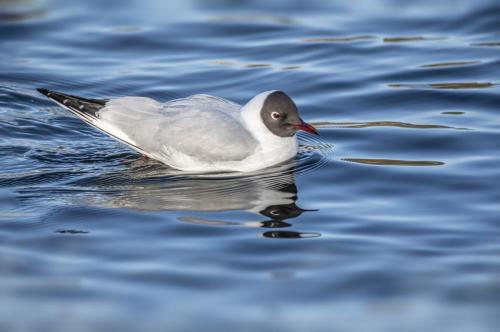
(369, 124)
(450, 64)
(394, 162)
(486, 44)
(402, 39)
(348, 39)
(452, 85)
(19, 11)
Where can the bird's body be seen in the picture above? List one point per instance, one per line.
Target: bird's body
(199, 133)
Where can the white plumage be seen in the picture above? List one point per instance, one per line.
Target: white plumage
(199, 133)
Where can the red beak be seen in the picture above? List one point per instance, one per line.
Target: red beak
(306, 127)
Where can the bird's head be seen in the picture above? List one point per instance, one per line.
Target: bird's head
(279, 114)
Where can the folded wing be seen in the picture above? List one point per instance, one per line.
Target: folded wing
(199, 128)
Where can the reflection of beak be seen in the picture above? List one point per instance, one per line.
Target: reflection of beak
(307, 210)
(306, 127)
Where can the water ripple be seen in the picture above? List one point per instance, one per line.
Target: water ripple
(398, 226)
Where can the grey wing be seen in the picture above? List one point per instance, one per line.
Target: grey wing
(199, 127)
(206, 136)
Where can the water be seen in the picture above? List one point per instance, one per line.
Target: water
(389, 223)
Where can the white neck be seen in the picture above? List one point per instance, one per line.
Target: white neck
(269, 142)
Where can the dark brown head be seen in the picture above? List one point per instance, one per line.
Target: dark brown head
(281, 116)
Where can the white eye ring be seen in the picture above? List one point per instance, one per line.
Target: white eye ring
(275, 115)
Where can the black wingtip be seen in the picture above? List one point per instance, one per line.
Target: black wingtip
(43, 91)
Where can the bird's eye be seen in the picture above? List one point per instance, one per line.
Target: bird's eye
(275, 115)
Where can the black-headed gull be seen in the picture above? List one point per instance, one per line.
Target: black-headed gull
(200, 133)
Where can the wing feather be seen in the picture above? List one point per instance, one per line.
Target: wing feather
(198, 128)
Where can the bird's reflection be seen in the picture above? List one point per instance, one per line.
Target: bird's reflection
(271, 194)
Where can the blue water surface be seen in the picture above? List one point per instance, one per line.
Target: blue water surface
(389, 222)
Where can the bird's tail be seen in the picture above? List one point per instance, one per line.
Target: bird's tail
(84, 108)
